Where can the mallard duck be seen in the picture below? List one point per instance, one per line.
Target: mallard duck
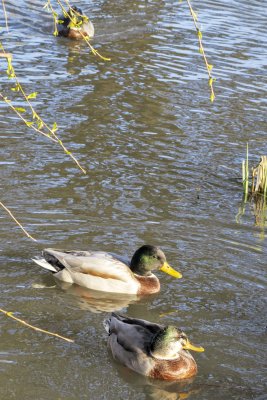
(75, 25)
(150, 349)
(108, 272)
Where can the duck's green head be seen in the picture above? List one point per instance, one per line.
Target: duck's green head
(148, 258)
(169, 342)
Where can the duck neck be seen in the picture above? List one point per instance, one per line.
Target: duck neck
(141, 271)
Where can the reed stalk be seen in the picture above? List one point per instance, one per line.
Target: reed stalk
(245, 173)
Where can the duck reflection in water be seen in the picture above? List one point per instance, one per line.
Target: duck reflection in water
(96, 301)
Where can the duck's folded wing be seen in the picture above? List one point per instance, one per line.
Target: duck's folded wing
(132, 333)
(129, 344)
(98, 264)
(151, 327)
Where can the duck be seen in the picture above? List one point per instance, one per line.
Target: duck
(75, 25)
(108, 272)
(151, 349)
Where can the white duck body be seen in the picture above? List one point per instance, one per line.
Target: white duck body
(108, 272)
(95, 270)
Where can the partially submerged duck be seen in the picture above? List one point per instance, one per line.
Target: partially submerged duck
(108, 272)
(150, 349)
(75, 25)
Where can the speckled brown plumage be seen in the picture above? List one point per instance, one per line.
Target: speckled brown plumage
(148, 284)
(180, 368)
(76, 34)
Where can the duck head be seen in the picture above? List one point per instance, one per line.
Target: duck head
(75, 24)
(149, 258)
(170, 342)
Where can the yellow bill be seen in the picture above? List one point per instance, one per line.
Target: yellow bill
(169, 270)
(190, 346)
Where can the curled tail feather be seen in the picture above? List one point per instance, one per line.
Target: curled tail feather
(106, 324)
(43, 263)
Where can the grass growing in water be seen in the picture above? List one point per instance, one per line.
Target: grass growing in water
(259, 177)
(256, 192)
(245, 176)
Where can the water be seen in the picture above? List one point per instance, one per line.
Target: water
(164, 167)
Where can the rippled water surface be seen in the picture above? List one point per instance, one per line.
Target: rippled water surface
(163, 167)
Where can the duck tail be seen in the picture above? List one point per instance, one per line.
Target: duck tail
(54, 258)
(51, 260)
(106, 324)
(43, 263)
(107, 321)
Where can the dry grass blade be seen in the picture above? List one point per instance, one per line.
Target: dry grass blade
(260, 173)
(202, 51)
(10, 314)
(17, 222)
(5, 14)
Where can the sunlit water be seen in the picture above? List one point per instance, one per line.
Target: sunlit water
(164, 167)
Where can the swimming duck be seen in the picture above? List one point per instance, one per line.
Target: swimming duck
(150, 349)
(108, 272)
(75, 25)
